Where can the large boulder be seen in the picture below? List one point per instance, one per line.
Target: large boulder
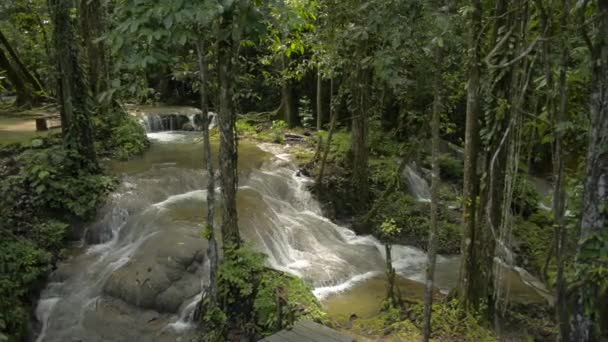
(164, 271)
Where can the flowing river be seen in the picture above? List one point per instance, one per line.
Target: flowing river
(141, 268)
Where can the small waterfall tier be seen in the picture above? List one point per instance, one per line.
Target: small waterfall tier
(162, 119)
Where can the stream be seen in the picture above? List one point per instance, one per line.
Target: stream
(142, 263)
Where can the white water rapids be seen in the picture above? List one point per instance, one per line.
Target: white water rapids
(141, 282)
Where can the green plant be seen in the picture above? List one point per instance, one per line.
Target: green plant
(305, 112)
(128, 139)
(525, 197)
(21, 265)
(451, 168)
(278, 128)
(450, 323)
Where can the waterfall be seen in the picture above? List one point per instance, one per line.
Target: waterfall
(418, 187)
(192, 121)
(144, 277)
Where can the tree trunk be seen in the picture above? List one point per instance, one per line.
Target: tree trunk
(390, 274)
(332, 128)
(92, 16)
(23, 70)
(471, 149)
(559, 195)
(228, 143)
(319, 102)
(359, 146)
(594, 221)
(432, 246)
(73, 91)
(212, 251)
(25, 94)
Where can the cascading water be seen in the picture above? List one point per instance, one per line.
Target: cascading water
(417, 185)
(163, 122)
(142, 281)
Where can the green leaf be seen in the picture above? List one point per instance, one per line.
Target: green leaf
(168, 22)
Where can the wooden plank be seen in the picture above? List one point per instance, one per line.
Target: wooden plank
(326, 332)
(308, 331)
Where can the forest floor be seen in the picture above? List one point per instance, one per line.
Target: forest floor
(18, 125)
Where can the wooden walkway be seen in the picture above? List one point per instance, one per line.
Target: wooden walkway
(308, 331)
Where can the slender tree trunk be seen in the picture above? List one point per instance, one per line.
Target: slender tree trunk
(228, 143)
(594, 222)
(25, 94)
(471, 149)
(212, 250)
(23, 70)
(390, 274)
(359, 148)
(73, 91)
(332, 128)
(319, 101)
(559, 195)
(432, 246)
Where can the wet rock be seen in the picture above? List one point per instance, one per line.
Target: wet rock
(162, 274)
(188, 127)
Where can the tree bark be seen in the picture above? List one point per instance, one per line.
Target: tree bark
(228, 142)
(22, 69)
(471, 150)
(359, 148)
(212, 250)
(25, 94)
(432, 246)
(319, 101)
(92, 16)
(594, 221)
(332, 128)
(73, 91)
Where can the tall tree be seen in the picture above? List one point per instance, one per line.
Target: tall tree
(72, 94)
(470, 241)
(591, 253)
(212, 250)
(228, 140)
(432, 244)
(92, 23)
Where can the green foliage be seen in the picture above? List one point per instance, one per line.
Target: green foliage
(305, 111)
(592, 268)
(278, 129)
(450, 168)
(128, 139)
(340, 144)
(450, 323)
(22, 264)
(389, 230)
(259, 300)
(525, 197)
(413, 219)
(50, 235)
(52, 178)
(391, 322)
(533, 238)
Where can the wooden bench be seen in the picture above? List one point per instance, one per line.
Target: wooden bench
(48, 122)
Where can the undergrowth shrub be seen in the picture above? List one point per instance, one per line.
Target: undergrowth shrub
(255, 300)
